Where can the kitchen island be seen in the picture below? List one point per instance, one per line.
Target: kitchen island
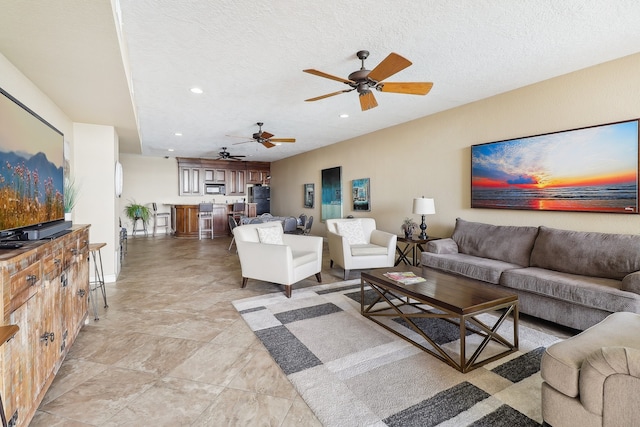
(184, 219)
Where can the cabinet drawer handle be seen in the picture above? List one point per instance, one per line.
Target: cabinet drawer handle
(48, 336)
(32, 279)
(74, 251)
(82, 292)
(57, 261)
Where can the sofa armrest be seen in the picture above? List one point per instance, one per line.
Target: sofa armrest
(338, 247)
(598, 368)
(442, 246)
(303, 243)
(631, 282)
(382, 238)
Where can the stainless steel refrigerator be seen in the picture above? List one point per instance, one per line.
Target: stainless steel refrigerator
(261, 196)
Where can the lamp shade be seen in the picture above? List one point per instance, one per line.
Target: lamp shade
(422, 206)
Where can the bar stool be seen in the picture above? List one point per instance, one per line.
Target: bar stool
(205, 219)
(98, 278)
(163, 217)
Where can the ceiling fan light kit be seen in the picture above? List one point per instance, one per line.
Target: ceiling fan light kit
(364, 80)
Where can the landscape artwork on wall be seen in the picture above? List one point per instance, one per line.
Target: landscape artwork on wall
(361, 195)
(309, 195)
(592, 169)
(331, 193)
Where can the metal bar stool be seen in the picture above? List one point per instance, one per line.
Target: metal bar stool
(98, 278)
(205, 220)
(163, 217)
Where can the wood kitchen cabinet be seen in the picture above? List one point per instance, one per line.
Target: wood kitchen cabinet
(45, 289)
(236, 183)
(190, 184)
(215, 176)
(195, 173)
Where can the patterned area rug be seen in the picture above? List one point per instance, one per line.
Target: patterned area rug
(353, 372)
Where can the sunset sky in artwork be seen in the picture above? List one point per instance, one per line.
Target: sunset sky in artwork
(601, 155)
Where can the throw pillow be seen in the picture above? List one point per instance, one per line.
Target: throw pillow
(270, 235)
(352, 231)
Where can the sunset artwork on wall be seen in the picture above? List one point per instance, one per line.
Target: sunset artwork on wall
(592, 169)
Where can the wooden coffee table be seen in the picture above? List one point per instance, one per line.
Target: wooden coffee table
(456, 299)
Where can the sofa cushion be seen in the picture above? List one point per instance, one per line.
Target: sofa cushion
(597, 292)
(587, 253)
(511, 244)
(368, 249)
(485, 269)
(352, 231)
(561, 362)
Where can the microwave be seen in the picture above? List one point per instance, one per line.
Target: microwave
(214, 189)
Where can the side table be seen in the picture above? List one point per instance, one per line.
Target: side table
(412, 247)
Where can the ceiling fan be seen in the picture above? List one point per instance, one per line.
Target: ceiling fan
(225, 155)
(265, 138)
(364, 80)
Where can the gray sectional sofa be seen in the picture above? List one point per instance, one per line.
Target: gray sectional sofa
(572, 278)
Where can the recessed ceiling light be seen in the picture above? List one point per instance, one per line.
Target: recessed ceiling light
(170, 149)
(196, 90)
(344, 116)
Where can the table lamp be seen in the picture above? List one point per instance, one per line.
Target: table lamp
(422, 206)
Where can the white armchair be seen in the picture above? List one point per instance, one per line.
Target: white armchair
(357, 244)
(266, 253)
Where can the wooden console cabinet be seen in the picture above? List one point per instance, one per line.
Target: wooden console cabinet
(45, 289)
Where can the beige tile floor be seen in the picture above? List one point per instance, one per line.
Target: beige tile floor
(172, 351)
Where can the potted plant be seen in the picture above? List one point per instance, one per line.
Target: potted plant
(135, 211)
(408, 226)
(70, 196)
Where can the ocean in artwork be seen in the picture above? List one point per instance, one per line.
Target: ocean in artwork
(603, 198)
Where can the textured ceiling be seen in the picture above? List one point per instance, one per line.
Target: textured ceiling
(248, 57)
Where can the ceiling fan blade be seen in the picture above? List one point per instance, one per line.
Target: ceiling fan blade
(367, 101)
(411, 88)
(268, 144)
(282, 140)
(244, 142)
(327, 76)
(328, 95)
(266, 135)
(388, 67)
(236, 136)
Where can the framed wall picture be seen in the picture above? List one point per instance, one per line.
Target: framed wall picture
(361, 195)
(309, 195)
(591, 169)
(331, 193)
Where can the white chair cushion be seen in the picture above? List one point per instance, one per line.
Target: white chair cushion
(368, 249)
(270, 235)
(352, 231)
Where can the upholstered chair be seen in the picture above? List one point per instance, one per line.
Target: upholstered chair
(593, 378)
(267, 253)
(356, 244)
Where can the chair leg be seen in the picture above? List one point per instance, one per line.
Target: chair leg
(346, 274)
(287, 290)
(330, 263)
(244, 282)
(319, 277)
(231, 244)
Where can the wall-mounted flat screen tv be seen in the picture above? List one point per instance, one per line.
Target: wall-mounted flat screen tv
(31, 168)
(591, 169)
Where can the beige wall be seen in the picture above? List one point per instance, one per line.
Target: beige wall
(431, 156)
